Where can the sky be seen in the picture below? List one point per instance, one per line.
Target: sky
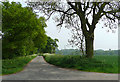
(103, 39)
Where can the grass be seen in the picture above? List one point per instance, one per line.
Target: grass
(14, 65)
(111, 60)
(102, 63)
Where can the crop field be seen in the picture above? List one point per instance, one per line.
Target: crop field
(99, 63)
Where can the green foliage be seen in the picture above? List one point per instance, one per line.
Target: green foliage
(111, 60)
(0, 17)
(51, 45)
(10, 66)
(23, 32)
(0, 48)
(96, 64)
(41, 39)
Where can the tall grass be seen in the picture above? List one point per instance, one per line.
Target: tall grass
(14, 65)
(105, 64)
(111, 60)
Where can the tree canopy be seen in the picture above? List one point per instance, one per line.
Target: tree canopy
(82, 17)
(23, 31)
(51, 45)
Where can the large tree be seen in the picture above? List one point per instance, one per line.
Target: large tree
(82, 17)
(23, 31)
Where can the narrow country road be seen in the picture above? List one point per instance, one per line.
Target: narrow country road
(38, 69)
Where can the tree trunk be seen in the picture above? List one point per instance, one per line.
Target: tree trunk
(89, 41)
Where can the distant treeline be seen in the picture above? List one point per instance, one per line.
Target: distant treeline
(78, 52)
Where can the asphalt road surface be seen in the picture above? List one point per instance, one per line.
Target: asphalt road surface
(39, 69)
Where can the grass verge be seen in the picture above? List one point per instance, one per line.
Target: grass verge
(103, 64)
(14, 65)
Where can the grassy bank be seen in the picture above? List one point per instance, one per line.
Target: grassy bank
(104, 64)
(10, 66)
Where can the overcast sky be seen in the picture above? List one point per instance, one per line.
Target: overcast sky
(103, 39)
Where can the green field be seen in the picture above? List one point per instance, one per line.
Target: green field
(101, 63)
(10, 66)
